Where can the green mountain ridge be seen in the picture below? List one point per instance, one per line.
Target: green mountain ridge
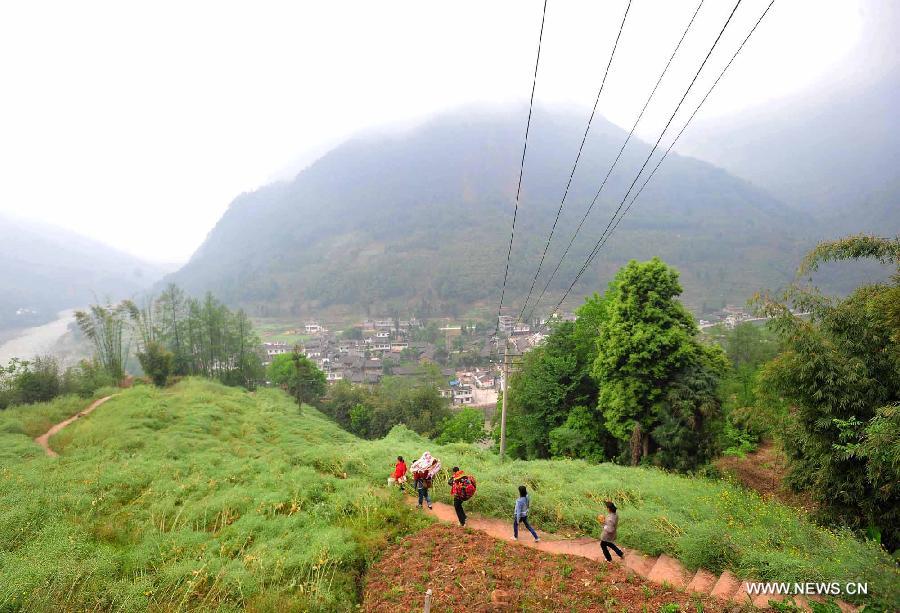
(419, 221)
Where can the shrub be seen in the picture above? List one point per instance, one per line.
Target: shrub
(156, 361)
(28, 381)
(85, 378)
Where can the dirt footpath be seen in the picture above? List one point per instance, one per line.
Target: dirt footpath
(44, 439)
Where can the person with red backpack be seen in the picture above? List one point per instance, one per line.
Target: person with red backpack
(462, 487)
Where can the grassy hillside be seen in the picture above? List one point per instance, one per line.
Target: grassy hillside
(197, 497)
(201, 497)
(419, 221)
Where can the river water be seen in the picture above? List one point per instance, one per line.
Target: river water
(37, 340)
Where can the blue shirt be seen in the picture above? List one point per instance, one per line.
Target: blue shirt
(522, 505)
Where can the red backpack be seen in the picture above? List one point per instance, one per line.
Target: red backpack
(463, 488)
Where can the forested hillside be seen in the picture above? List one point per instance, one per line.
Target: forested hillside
(419, 219)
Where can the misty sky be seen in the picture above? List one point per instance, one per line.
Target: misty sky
(138, 123)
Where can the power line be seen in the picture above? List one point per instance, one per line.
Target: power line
(577, 159)
(512, 232)
(612, 167)
(652, 151)
(687, 123)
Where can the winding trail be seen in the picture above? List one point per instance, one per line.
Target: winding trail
(44, 439)
(661, 569)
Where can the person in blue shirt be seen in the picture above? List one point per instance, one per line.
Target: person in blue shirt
(521, 514)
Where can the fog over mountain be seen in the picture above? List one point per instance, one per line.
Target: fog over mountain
(47, 269)
(418, 220)
(833, 150)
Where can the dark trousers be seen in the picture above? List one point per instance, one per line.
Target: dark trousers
(460, 512)
(606, 545)
(423, 495)
(524, 520)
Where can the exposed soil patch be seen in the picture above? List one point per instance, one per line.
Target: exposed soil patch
(470, 571)
(764, 471)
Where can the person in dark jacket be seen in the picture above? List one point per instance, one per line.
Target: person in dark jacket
(521, 514)
(610, 523)
(456, 473)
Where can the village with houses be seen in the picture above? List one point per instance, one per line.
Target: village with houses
(382, 347)
(386, 347)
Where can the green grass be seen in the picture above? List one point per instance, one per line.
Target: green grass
(20, 424)
(206, 497)
(196, 497)
(706, 523)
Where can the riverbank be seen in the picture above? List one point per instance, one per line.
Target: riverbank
(38, 340)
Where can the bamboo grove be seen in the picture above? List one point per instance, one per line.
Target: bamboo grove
(175, 334)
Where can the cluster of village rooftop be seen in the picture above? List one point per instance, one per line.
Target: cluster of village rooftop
(730, 316)
(366, 360)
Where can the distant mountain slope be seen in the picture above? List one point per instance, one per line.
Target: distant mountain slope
(420, 220)
(46, 269)
(829, 152)
(832, 150)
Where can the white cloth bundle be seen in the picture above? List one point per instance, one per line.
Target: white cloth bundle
(427, 464)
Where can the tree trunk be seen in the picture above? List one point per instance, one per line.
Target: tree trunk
(636, 444)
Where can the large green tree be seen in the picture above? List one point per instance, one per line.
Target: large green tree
(657, 381)
(467, 426)
(750, 411)
(371, 413)
(840, 374)
(299, 376)
(343, 397)
(554, 379)
(417, 404)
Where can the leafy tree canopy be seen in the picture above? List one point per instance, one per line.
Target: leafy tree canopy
(299, 376)
(840, 373)
(657, 381)
(467, 426)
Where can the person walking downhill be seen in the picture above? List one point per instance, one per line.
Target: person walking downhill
(521, 514)
(610, 523)
(422, 485)
(462, 487)
(399, 474)
(424, 469)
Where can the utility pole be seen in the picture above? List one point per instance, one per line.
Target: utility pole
(505, 399)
